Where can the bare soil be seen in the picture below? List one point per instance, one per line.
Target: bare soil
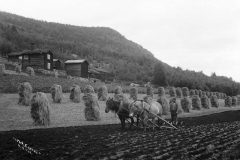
(215, 136)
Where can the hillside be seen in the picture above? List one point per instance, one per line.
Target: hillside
(103, 47)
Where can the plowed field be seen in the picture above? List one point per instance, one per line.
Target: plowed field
(215, 136)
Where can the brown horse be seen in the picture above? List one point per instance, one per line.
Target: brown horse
(121, 109)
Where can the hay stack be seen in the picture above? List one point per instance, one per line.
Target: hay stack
(161, 91)
(196, 92)
(218, 95)
(92, 109)
(192, 92)
(30, 71)
(214, 101)
(165, 104)
(186, 104)
(56, 91)
(40, 109)
(2, 69)
(177, 101)
(118, 90)
(18, 69)
(208, 94)
(179, 92)
(205, 102)
(133, 93)
(172, 91)
(228, 101)
(150, 91)
(88, 89)
(25, 91)
(234, 101)
(75, 93)
(185, 91)
(102, 93)
(204, 93)
(200, 92)
(196, 103)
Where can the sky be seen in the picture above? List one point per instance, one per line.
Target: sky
(199, 35)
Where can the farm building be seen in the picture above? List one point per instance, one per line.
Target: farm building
(37, 59)
(57, 64)
(99, 73)
(77, 68)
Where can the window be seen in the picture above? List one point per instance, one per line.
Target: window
(48, 56)
(25, 57)
(48, 65)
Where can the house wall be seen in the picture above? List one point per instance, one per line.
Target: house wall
(36, 61)
(48, 61)
(73, 69)
(84, 70)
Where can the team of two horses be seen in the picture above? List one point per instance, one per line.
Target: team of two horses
(144, 110)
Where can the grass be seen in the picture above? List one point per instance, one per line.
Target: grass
(17, 117)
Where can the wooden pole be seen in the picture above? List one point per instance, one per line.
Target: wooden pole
(164, 120)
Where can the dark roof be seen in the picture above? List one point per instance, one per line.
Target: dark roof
(76, 61)
(36, 51)
(54, 60)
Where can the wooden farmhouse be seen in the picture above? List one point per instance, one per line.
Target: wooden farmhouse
(37, 59)
(77, 68)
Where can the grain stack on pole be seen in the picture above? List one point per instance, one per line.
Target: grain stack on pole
(102, 93)
(234, 101)
(186, 104)
(150, 91)
(205, 102)
(2, 69)
(30, 71)
(179, 92)
(214, 101)
(25, 91)
(88, 89)
(228, 101)
(218, 95)
(200, 92)
(133, 93)
(204, 93)
(75, 93)
(172, 91)
(118, 90)
(208, 94)
(196, 103)
(92, 109)
(192, 92)
(162, 99)
(196, 92)
(165, 104)
(185, 91)
(18, 69)
(56, 91)
(40, 109)
(161, 91)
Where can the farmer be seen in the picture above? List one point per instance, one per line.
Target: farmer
(173, 110)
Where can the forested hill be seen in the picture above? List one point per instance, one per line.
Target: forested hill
(103, 47)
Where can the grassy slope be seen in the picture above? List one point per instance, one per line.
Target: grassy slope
(16, 117)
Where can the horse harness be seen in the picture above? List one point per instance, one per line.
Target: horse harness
(148, 110)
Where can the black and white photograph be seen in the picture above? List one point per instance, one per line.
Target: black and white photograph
(119, 80)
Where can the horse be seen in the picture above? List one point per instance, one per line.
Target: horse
(144, 110)
(121, 108)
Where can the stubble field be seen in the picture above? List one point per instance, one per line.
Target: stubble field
(214, 136)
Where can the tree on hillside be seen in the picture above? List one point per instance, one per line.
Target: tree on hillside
(159, 77)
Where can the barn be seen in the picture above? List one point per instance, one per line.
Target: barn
(37, 59)
(77, 68)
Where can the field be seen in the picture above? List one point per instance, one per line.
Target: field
(212, 133)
